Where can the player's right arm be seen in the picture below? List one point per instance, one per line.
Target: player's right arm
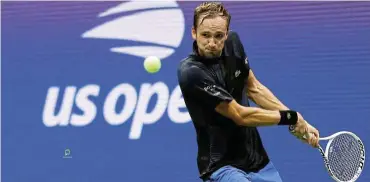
(253, 116)
(197, 83)
(249, 116)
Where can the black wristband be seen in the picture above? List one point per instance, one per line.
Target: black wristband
(288, 117)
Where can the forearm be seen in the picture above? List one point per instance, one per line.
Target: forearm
(264, 98)
(259, 117)
(252, 116)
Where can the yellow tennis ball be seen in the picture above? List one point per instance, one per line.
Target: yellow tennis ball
(152, 64)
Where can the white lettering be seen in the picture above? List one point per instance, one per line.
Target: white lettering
(109, 110)
(136, 104)
(176, 102)
(49, 117)
(86, 105)
(141, 116)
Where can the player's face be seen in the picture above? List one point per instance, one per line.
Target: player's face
(210, 36)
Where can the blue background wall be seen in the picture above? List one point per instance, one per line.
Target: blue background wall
(315, 56)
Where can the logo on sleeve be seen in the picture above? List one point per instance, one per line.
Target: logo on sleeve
(237, 73)
(211, 89)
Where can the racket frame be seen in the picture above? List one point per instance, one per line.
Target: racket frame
(325, 154)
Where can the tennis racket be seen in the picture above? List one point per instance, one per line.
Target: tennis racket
(344, 155)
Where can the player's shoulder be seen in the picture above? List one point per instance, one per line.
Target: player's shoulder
(233, 37)
(189, 64)
(190, 69)
(234, 46)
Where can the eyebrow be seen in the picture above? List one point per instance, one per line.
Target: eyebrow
(218, 32)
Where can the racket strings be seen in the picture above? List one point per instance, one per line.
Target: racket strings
(344, 156)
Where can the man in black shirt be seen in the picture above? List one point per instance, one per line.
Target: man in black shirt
(215, 81)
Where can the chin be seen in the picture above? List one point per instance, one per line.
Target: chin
(212, 55)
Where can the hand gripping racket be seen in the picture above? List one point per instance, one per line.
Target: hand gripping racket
(344, 155)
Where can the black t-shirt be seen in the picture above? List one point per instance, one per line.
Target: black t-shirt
(204, 84)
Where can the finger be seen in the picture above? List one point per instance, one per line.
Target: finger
(313, 141)
(310, 138)
(317, 140)
(317, 137)
(300, 137)
(305, 139)
(302, 130)
(316, 133)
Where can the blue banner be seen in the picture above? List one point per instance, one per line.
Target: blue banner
(78, 105)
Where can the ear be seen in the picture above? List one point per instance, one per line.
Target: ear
(193, 33)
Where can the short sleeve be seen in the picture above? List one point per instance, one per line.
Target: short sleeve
(196, 83)
(240, 49)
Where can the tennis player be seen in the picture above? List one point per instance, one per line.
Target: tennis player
(216, 81)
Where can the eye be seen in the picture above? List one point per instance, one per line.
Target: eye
(220, 36)
(206, 35)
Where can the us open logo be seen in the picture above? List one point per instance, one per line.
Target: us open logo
(158, 25)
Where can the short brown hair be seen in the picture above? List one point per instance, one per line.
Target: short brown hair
(210, 9)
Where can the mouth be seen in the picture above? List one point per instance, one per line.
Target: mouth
(211, 50)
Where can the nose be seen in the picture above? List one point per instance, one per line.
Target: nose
(211, 43)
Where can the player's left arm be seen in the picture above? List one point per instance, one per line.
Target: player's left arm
(256, 91)
(264, 98)
(261, 95)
